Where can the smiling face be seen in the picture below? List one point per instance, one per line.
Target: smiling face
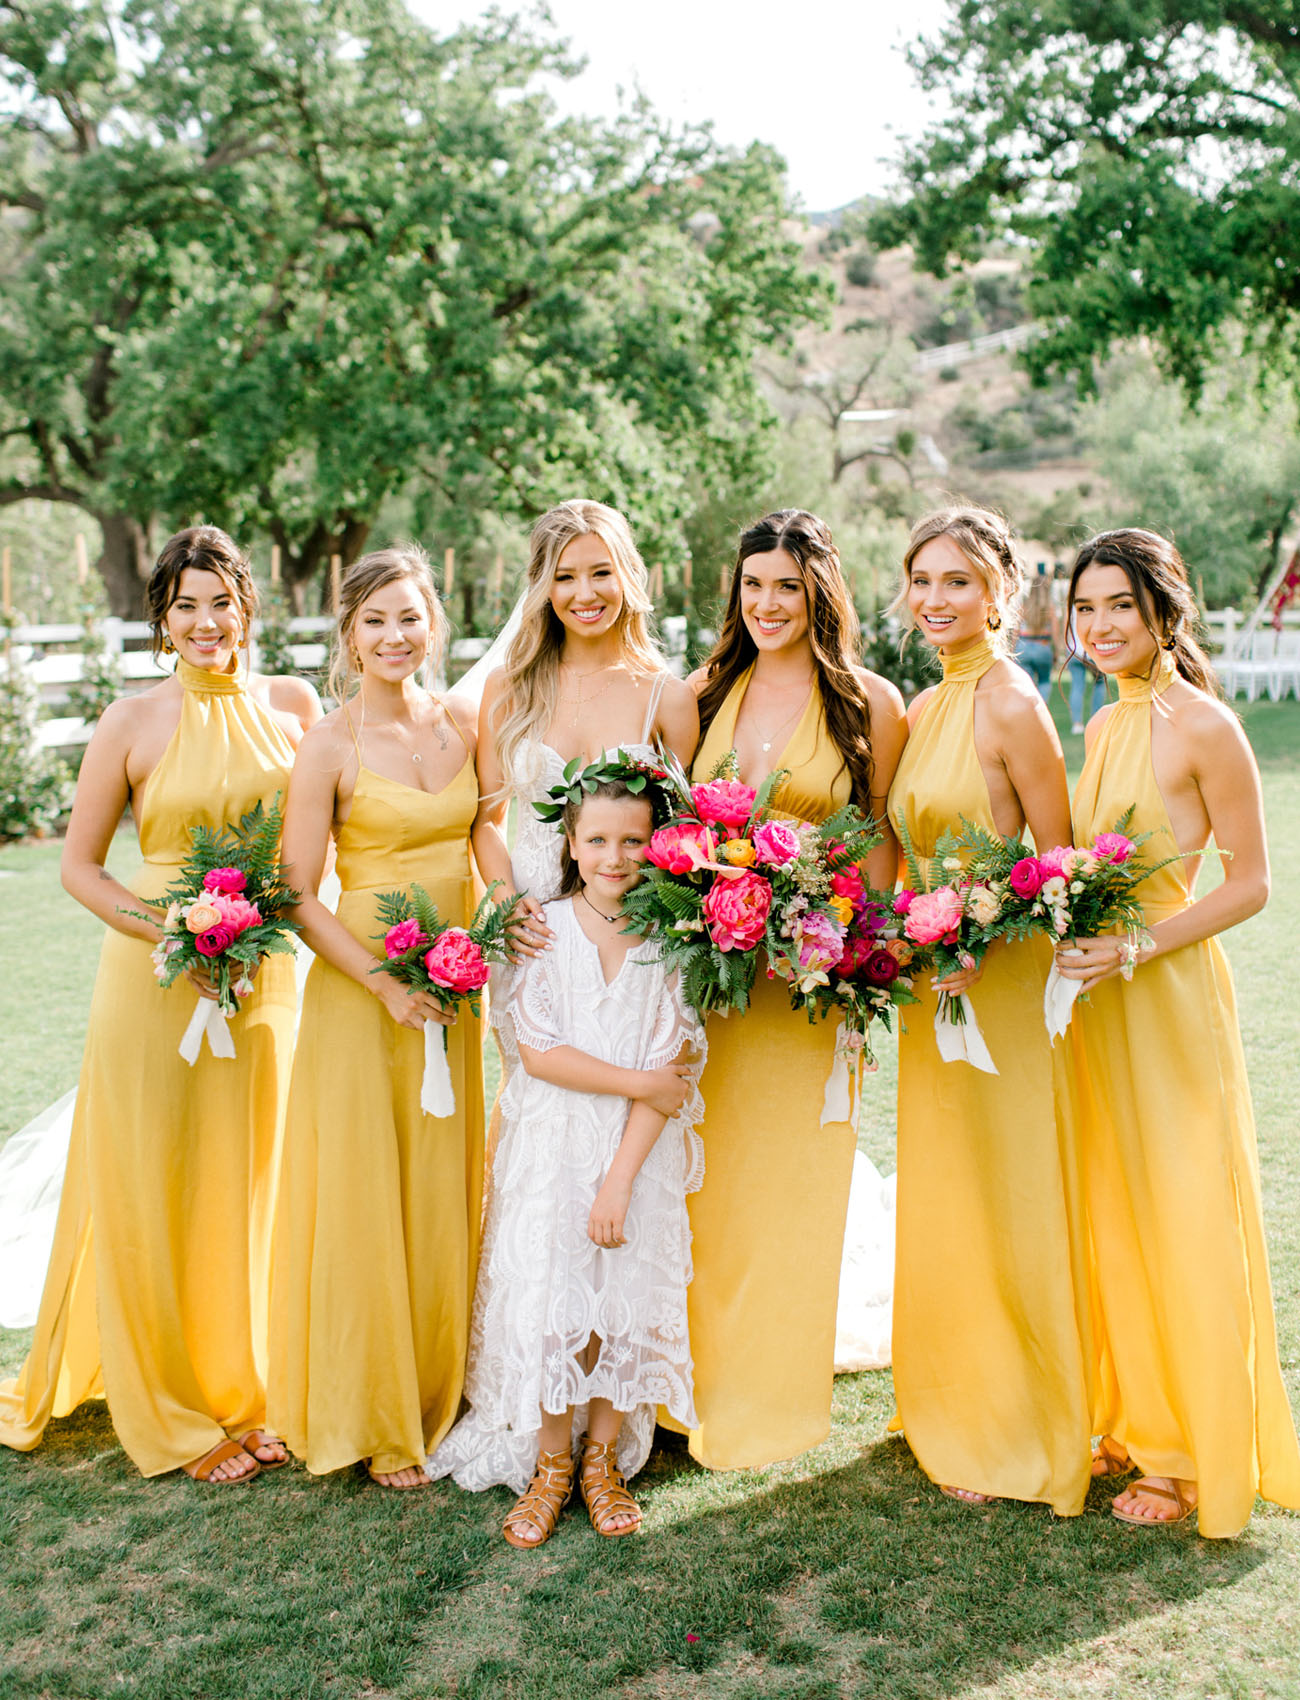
(391, 631)
(946, 597)
(608, 843)
(205, 621)
(773, 601)
(586, 592)
(1108, 619)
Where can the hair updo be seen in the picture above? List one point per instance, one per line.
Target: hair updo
(402, 561)
(207, 549)
(1157, 577)
(985, 539)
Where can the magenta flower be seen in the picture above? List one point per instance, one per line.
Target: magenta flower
(776, 844)
(724, 802)
(1027, 877)
(214, 941)
(681, 848)
(1112, 847)
(455, 961)
(406, 935)
(237, 913)
(903, 901)
(228, 881)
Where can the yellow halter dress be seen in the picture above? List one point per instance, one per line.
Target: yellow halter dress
(1188, 1374)
(377, 1230)
(158, 1270)
(990, 1279)
(768, 1222)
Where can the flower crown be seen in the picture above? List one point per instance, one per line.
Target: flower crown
(578, 782)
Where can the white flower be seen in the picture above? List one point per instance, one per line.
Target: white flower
(1053, 890)
(1076, 886)
(172, 919)
(952, 864)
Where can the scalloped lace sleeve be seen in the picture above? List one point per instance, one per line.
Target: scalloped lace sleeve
(535, 1004)
(677, 1028)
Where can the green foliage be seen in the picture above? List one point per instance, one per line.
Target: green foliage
(1148, 154)
(487, 930)
(277, 265)
(101, 673)
(274, 639)
(35, 788)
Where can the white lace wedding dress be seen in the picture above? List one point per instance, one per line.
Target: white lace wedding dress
(544, 1288)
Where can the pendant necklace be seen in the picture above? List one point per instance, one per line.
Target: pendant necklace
(604, 917)
(579, 702)
(771, 737)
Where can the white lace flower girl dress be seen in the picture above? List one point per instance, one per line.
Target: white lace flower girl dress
(544, 1288)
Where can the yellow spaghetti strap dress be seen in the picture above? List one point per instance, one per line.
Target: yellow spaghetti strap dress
(990, 1273)
(158, 1270)
(377, 1229)
(1188, 1376)
(768, 1223)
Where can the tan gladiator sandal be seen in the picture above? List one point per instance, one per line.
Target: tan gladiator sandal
(541, 1503)
(604, 1492)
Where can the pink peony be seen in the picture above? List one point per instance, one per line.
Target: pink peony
(1112, 847)
(776, 844)
(724, 802)
(682, 848)
(455, 961)
(736, 911)
(237, 913)
(821, 943)
(1053, 861)
(1027, 876)
(228, 881)
(881, 968)
(214, 941)
(904, 901)
(934, 915)
(406, 935)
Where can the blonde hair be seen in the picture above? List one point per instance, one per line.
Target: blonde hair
(985, 539)
(527, 705)
(362, 579)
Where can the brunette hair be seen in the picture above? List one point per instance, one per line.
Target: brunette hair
(612, 790)
(1157, 577)
(985, 539)
(362, 579)
(526, 706)
(209, 550)
(832, 632)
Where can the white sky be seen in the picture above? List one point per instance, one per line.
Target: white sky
(823, 81)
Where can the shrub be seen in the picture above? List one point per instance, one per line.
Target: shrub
(34, 786)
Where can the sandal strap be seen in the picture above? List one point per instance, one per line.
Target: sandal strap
(604, 1491)
(546, 1494)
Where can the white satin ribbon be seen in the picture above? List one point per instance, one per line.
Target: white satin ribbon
(837, 1103)
(207, 1018)
(1059, 996)
(437, 1096)
(961, 1041)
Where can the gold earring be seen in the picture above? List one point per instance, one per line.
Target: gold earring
(994, 621)
(168, 647)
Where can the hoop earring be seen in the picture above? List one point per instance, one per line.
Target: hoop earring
(994, 621)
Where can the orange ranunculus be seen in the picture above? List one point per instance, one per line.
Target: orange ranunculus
(202, 916)
(738, 851)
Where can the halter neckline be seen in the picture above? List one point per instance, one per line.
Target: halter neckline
(1134, 688)
(208, 682)
(968, 664)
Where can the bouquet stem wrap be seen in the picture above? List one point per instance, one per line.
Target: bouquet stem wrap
(437, 1095)
(957, 1034)
(842, 1083)
(1059, 995)
(208, 1018)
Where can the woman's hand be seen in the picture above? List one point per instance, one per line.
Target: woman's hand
(961, 981)
(408, 1006)
(608, 1213)
(527, 932)
(201, 980)
(1090, 961)
(665, 1089)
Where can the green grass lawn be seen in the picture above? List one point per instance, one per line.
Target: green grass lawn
(840, 1574)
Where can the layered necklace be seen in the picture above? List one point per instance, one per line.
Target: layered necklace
(580, 702)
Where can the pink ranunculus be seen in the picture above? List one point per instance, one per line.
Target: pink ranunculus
(406, 935)
(820, 942)
(682, 847)
(1053, 861)
(237, 913)
(214, 941)
(1112, 847)
(776, 844)
(724, 802)
(881, 968)
(1027, 876)
(903, 901)
(934, 915)
(228, 881)
(736, 910)
(455, 961)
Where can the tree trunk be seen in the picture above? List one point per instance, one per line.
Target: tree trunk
(304, 565)
(124, 564)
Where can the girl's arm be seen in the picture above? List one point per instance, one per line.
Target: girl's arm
(609, 1212)
(103, 792)
(1227, 778)
(661, 1089)
(528, 930)
(308, 822)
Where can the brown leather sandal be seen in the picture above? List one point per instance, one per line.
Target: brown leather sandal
(263, 1437)
(540, 1504)
(1109, 1458)
(1183, 1506)
(201, 1469)
(604, 1492)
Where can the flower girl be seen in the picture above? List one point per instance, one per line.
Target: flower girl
(580, 1311)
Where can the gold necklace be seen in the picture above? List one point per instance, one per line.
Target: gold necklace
(439, 730)
(771, 737)
(579, 702)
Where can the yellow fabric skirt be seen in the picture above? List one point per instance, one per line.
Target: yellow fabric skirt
(768, 1227)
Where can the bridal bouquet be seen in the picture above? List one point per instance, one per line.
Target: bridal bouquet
(952, 912)
(224, 914)
(452, 964)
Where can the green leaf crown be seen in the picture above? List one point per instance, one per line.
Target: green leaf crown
(650, 779)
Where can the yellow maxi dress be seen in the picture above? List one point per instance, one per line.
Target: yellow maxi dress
(990, 1273)
(1188, 1374)
(377, 1228)
(156, 1291)
(768, 1222)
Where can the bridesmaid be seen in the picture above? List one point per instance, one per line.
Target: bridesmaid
(155, 1295)
(377, 1228)
(989, 1365)
(1190, 1389)
(783, 689)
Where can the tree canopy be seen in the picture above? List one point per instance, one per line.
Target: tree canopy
(1148, 152)
(274, 263)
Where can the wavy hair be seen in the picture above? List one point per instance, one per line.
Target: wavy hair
(207, 549)
(986, 540)
(832, 632)
(1157, 576)
(362, 579)
(526, 707)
